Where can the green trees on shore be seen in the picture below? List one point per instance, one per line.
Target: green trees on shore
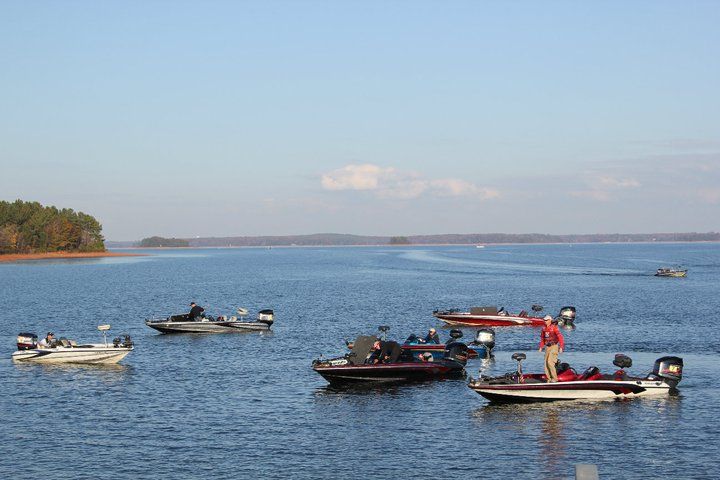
(154, 242)
(29, 227)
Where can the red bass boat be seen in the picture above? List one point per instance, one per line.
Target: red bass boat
(517, 387)
(492, 317)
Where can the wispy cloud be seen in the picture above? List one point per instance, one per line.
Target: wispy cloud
(389, 182)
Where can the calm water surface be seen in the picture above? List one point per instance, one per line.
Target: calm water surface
(249, 405)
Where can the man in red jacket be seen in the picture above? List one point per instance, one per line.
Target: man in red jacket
(553, 342)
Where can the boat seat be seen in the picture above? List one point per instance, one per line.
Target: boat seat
(592, 373)
(567, 375)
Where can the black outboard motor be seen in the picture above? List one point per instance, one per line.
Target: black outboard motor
(669, 369)
(457, 351)
(266, 316)
(455, 334)
(566, 317)
(26, 341)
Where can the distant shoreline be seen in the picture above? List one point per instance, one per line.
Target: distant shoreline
(499, 244)
(18, 257)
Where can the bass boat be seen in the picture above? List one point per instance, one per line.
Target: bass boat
(480, 347)
(492, 317)
(373, 360)
(69, 351)
(208, 324)
(517, 387)
(671, 272)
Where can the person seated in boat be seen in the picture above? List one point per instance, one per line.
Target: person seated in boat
(425, 357)
(48, 341)
(374, 355)
(431, 337)
(196, 312)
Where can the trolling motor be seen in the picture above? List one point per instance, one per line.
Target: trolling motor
(519, 357)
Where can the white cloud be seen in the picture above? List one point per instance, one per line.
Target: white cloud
(613, 182)
(356, 177)
(389, 182)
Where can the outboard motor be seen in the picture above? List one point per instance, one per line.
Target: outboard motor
(566, 317)
(486, 338)
(457, 351)
(669, 369)
(26, 341)
(455, 334)
(266, 316)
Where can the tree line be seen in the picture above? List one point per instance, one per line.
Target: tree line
(29, 227)
(154, 242)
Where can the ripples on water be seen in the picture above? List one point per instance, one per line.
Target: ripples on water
(248, 405)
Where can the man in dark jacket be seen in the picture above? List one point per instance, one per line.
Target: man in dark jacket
(431, 337)
(196, 311)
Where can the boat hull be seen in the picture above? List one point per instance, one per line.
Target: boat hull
(350, 374)
(575, 390)
(98, 354)
(463, 318)
(207, 327)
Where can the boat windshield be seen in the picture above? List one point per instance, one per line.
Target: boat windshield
(361, 349)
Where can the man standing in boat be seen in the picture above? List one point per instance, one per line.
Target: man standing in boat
(195, 311)
(552, 340)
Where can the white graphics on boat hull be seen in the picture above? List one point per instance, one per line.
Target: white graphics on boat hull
(98, 355)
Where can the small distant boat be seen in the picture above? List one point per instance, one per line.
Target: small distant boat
(69, 351)
(671, 272)
(221, 324)
(479, 246)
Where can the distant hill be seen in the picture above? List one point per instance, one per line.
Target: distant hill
(30, 228)
(152, 242)
(336, 239)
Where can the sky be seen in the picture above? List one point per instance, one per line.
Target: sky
(213, 118)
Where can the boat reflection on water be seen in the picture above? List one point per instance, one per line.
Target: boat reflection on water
(554, 425)
(62, 373)
(381, 389)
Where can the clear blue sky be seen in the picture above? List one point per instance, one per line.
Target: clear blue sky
(250, 118)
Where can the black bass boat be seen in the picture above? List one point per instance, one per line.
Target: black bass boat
(480, 347)
(374, 360)
(517, 387)
(208, 324)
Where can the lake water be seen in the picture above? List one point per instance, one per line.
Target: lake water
(249, 405)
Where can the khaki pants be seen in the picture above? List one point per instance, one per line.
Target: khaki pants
(551, 356)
